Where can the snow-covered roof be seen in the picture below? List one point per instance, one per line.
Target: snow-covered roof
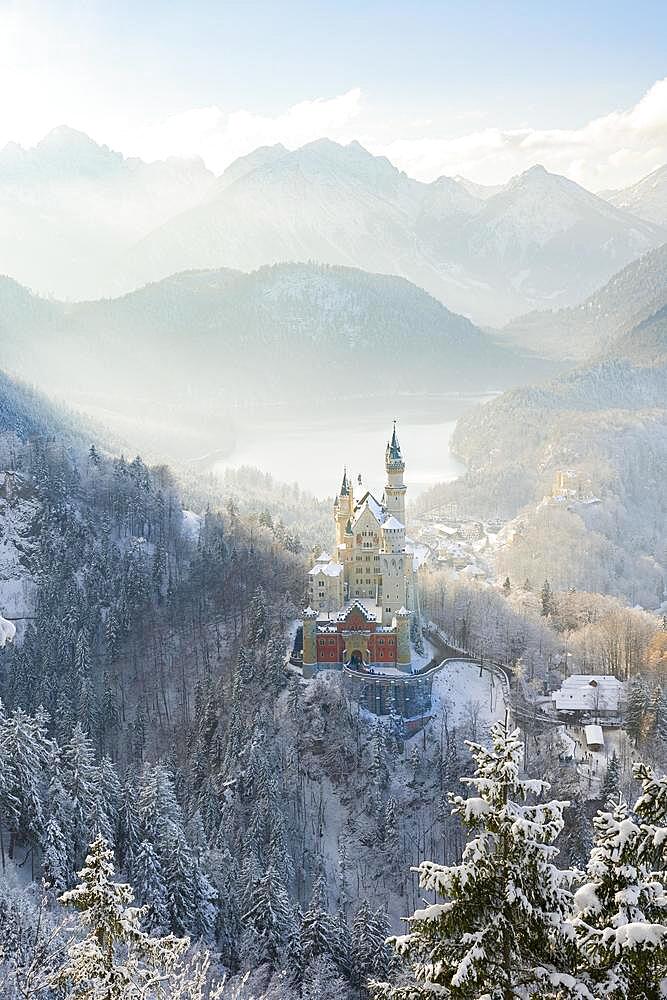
(392, 524)
(588, 692)
(7, 632)
(369, 502)
(328, 569)
(324, 558)
(594, 736)
(357, 605)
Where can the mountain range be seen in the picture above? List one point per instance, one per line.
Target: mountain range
(647, 199)
(70, 208)
(190, 355)
(79, 220)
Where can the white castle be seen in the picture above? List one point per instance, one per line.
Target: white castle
(362, 598)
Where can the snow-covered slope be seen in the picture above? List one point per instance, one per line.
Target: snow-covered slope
(647, 199)
(580, 332)
(552, 240)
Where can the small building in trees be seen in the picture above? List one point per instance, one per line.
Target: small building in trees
(594, 737)
(596, 695)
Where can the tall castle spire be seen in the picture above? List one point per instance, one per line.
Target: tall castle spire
(394, 491)
(393, 457)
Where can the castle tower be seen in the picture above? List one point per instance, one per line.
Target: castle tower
(343, 508)
(309, 643)
(392, 568)
(394, 491)
(402, 624)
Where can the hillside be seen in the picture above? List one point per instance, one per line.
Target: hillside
(580, 332)
(278, 337)
(647, 199)
(605, 425)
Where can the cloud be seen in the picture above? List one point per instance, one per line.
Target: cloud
(611, 151)
(220, 137)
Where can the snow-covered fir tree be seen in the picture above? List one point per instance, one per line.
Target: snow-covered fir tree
(115, 959)
(501, 930)
(620, 913)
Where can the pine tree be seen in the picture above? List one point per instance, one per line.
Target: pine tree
(115, 959)
(507, 587)
(321, 981)
(621, 911)
(180, 886)
(148, 880)
(579, 837)
(258, 625)
(546, 598)
(317, 925)
(269, 913)
(370, 954)
(612, 778)
(638, 701)
(501, 929)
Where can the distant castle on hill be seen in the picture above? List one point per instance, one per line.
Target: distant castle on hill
(363, 599)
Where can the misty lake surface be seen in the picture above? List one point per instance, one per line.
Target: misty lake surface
(313, 450)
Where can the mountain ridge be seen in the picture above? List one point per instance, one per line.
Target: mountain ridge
(79, 220)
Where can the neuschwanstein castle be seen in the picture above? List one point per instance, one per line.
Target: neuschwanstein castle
(363, 599)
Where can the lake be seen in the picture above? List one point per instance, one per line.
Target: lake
(312, 450)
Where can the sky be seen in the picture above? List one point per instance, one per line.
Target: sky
(477, 88)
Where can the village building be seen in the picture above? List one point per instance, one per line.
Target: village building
(363, 599)
(595, 695)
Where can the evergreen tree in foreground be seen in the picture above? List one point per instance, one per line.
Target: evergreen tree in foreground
(500, 931)
(621, 910)
(116, 959)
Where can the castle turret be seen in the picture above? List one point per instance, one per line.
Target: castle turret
(402, 625)
(394, 491)
(392, 568)
(343, 508)
(309, 643)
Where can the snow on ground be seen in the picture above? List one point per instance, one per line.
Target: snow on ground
(191, 524)
(460, 688)
(592, 764)
(17, 543)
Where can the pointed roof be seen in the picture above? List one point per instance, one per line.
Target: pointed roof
(393, 453)
(358, 606)
(369, 502)
(345, 485)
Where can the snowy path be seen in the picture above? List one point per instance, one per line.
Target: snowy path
(462, 687)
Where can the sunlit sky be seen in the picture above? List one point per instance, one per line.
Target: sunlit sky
(483, 89)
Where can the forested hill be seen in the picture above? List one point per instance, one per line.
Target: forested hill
(236, 339)
(606, 424)
(146, 699)
(25, 412)
(580, 332)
